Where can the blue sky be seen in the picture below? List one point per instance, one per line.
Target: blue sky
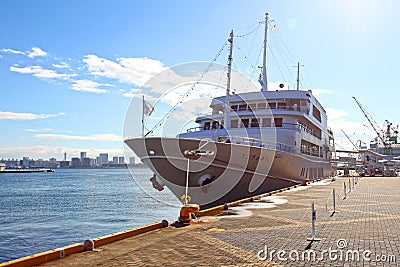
(68, 68)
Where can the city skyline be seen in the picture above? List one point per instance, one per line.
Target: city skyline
(102, 160)
(66, 156)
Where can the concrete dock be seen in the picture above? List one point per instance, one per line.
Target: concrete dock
(364, 231)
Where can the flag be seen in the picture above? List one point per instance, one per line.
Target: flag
(270, 29)
(147, 108)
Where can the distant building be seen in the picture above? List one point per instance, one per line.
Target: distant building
(64, 164)
(103, 159)
(83, 155)
(132, 161)
(75, 162)
(25, 161)
(85, 162)
(98, 161)
(121, 160)
(115, 159)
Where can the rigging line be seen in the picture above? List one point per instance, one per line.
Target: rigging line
(276, 62)
(301, 84)
(214, 94)
(279, 46)
(280, 51)
(239, 77)
(253, 42)
(284, 44)
(255, 29)
(254, 68)
(166, 116)
(285, 56)
(245, 57)
(307, 78)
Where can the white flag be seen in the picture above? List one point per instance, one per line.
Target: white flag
(147, 108)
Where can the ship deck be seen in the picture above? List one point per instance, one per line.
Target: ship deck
(368, 223)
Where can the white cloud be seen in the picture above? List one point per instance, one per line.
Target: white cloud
(37, 52)
(94, 137)
(317, 92)
(61, 65)
(132, 93)
(338, 121)
(12, 51)
(135, 92)
(39, 72)
(7, 115)
(131, 70)
(335, 114)
(40, 130)
(88, 86)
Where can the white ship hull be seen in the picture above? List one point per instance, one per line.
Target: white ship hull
(228, 171)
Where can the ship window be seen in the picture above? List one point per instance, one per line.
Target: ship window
(242, 107)
(272, 105)
(278, 122)
(207, 125)
(234, 124)
(281, 105)
(261, 106)
(316, 113)
(215, 125)
(245, 123)
(254, 122)
(234, 108)
(266, 122)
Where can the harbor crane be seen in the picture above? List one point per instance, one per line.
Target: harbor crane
(354, 145)
(374, 125)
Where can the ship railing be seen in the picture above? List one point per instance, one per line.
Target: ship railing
(194, 129)
(290, 126)
(259, 143)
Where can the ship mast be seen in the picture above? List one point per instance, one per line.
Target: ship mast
(263, 78)
(227, 118)
(298, 75)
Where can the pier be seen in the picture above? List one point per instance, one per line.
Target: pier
(25, 170)
(363, 229)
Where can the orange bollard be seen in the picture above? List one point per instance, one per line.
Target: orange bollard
(185, 215)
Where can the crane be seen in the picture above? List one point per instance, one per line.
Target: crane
(374, 125)
(389, 129)
(350, 140)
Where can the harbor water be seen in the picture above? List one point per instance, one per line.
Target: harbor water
(42, 211)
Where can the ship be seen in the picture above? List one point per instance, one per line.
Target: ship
(251, 143)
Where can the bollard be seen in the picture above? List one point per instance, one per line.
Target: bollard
(353, 183)
(334, 201)
(345, 190)
(349, 185)
(313, 219)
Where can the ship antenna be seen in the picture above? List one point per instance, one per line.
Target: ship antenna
(227, 118)
(298, 75)
(263, 78)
